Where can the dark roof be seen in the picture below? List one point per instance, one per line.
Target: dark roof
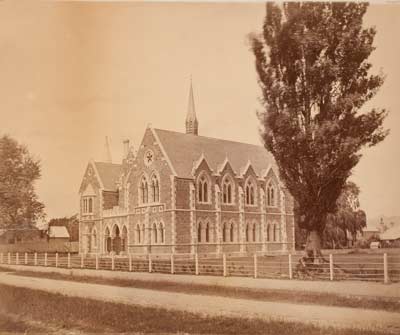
(185, 150)
(109, 174)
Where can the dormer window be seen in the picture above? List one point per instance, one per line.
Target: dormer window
(271, 195)
(227, 190)
(155, 187)
(87, 205)
(144, 191)
(203, 189)
(250, 193)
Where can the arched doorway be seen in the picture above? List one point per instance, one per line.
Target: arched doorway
(116, 241)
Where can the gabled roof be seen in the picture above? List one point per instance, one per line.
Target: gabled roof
(109, 174)
(58, 232)
(393, 233)
(185, 149)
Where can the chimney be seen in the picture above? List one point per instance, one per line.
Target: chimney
(126, 148)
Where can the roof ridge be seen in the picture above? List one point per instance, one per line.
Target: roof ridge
(212, 138)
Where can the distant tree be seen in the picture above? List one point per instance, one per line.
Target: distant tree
(19, 204)
(348, 218)
(312, 67)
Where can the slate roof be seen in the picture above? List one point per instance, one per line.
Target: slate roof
(184, 150)
(109, 174)
(58, 232)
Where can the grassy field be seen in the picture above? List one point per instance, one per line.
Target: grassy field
(91, 316)
(302, 297)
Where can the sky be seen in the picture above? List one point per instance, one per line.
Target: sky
(73, 73)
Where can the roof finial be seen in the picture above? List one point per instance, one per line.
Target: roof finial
(191, 119)
(107, 151)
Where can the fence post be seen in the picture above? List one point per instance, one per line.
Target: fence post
(196, 263)
(224, 264)
(255, 266)
(45, 259)
(150, 264)
(290, 267)
(56, 259)
(69, 261)
(385, 269)
(26, 258)
(330, 266)
(9, 258)
(35, 259)
(82, 261)
(17, 258)
(97, 261)
(112, 262)
(130, 262)
(172, 264)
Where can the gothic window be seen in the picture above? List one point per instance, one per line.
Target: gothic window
(155, 189)
(144, 191)
(161, 233)
(137, 234)
(271, 195)
(203, 188)
(207, 239)
(154, 234)
(87, 205)
(250, 193)
(94, 238)
(142, 230)
(227, 190)
(199, 232)
(224, 232)
(232, 234)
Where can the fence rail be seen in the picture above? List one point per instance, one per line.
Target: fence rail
(365, 267)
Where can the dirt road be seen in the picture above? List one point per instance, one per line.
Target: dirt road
(211, 305)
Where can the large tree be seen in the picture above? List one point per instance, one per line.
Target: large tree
(348, 220)
(19, 204)
(312, 66)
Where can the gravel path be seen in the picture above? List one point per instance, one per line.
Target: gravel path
(211, 305)
(355, 288)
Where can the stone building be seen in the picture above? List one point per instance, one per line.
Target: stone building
(185, 193)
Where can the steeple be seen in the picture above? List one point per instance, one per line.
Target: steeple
(192, 125)
(107, 151)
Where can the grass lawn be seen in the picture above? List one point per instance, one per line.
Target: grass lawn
(302, 297)
(92, 316)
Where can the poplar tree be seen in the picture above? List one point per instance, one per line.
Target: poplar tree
(313, 70)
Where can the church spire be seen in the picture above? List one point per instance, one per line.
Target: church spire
(192, 125)
(107, 151)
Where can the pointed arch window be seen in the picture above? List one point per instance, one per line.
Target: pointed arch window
(88, 202)
(271, 195)
(227, 190)
(94, 238)
(154, 237)
(144, 191)
(199, 232)
(137, 234)
(155, 187)
(203, 189)
(250, 193)
(161, 233)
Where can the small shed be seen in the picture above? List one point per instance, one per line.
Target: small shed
(391, 237)
(59, 233)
